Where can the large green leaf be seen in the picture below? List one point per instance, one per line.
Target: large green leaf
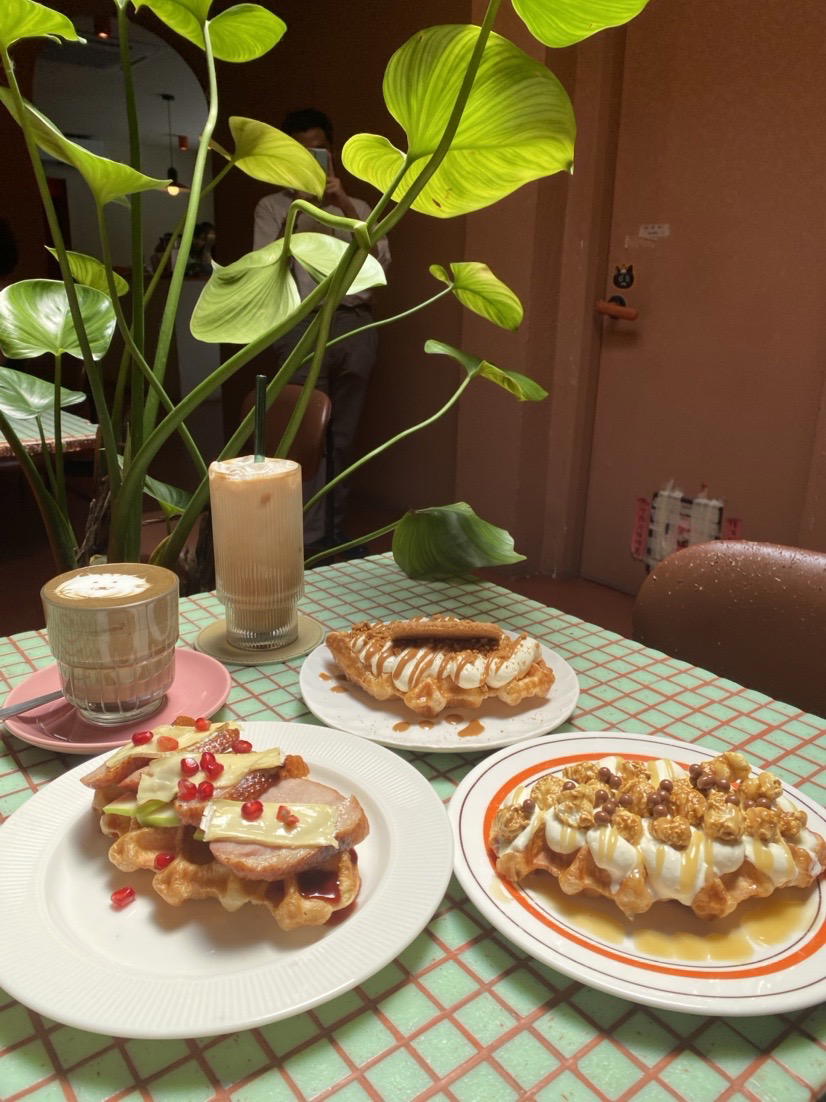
(108, 180)
(35, 319)
(240, 33)
(523, 388)
(268, 154)
(563, 22)
(449, 540)
(245, 32)
(245, 299)
(477, 288)
(185, 17)
(91, 272)
(520, 386)
(24, 19)
(320, 254)
(518, 124)
(24, 396)
(172, 499)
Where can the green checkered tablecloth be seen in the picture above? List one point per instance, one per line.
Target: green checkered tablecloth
(461, 1014)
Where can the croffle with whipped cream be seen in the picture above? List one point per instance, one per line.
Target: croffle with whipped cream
(638, 832)
(437, 662)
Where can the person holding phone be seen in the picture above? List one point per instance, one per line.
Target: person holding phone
(345, 373)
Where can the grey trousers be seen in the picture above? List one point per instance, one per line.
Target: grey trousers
(345, 376)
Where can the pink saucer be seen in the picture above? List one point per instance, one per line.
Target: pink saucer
(200, 687)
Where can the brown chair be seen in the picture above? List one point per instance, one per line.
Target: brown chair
(752, 612)
(308, 447)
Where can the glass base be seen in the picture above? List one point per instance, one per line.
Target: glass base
(105, 716)
(263, 640)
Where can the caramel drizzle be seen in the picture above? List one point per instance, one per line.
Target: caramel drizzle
(433, 659)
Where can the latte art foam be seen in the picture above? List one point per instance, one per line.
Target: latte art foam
(84, 586)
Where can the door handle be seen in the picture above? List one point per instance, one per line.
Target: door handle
(615, 308)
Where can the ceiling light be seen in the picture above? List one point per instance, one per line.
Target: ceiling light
(102, 26)
(175, 186)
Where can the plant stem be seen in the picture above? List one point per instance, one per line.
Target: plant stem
(167, 328)
(47, 459)
(107, 431)
(191, 401)
(389, 321)
(157, 275)
(313, 559)
(131, 349)
(59, 531)
(136, 387)
(389, 443)
(60, 488)
(172, 547)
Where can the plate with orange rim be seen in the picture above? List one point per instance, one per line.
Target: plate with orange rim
(767, 957)
(340, 704)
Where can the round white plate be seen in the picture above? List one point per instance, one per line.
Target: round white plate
(338, 703)
(768, 957)
(152, 970)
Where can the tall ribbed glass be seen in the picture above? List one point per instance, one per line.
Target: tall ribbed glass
(113, 630)
(258, 533)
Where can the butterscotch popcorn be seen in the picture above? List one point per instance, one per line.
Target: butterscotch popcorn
(724, 821)
(675, 831)
(763, 823)
(544, 792)
(709, 837)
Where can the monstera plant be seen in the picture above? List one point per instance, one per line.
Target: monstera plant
(455, 91)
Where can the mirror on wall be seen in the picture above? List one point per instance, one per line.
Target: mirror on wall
(80, 88)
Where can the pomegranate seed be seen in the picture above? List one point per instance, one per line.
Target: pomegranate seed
(205, 790)
(241, 746)
(252, 809)
(123, 897)
(187, 790)
(287, 817)
(214, 770)
(140, 738)
(202, 724)
(167, 742)
(207, 758)
(162, 860)
(189, 766)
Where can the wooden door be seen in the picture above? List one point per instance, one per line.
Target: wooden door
(719, 202)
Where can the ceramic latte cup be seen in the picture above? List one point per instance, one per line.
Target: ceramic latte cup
(112, 630)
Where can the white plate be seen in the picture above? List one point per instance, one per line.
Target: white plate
(157, 971)
(767, 958)
(345, 706)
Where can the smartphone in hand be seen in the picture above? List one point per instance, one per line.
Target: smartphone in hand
(323, 158)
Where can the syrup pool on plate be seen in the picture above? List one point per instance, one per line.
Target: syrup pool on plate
(671, 932)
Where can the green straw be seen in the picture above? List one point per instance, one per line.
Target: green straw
(260, 415)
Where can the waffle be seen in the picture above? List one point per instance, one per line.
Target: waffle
(302, 879)
(194, 874)
(636, 833)
(438, 662)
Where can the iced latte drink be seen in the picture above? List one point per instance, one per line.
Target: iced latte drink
(257, 527)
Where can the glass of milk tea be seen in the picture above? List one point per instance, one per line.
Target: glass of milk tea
(258, 537)
(113, 630)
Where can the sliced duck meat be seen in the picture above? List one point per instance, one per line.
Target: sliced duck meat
(253, 861)
(125, 771)
(251, 787)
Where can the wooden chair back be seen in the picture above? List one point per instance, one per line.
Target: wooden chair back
(308, 446)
